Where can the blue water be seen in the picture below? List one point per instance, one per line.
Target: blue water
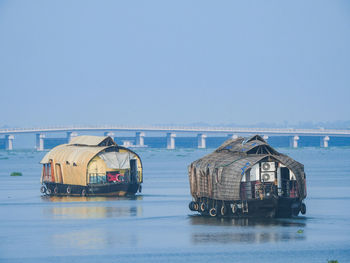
(157, 226)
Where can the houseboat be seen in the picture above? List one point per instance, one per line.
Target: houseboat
(91, 165)
(246, 177)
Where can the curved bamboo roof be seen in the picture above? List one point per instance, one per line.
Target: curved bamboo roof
(218, 175)
(92, 140)
(72, 154)
(73, 158)
(80, 150)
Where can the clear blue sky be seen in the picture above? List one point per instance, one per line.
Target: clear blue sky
(180, 62)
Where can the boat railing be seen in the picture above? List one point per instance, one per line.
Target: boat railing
(97, 178)
(257, 190)
(102, 178)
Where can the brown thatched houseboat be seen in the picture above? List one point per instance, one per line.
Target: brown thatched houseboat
(247, 177)
(91, 165)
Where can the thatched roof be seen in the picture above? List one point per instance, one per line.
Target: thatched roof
(218, 175)
(74, 158)
(92, 140)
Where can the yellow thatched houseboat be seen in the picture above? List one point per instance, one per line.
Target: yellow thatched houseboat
(91, 165)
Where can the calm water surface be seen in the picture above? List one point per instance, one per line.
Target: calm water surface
(157, 226)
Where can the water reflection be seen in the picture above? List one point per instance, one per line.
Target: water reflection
(92, 239)
(92, 212)
(70, 207)
(213, 221)
(253, 230)
(250, 237)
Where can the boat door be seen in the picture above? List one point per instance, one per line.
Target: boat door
(133, 171)
(285, 181)
(58, 173)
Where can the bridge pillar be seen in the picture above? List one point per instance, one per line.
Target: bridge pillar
(294, 141)
(140, 139)
(40, 143)
(201, 141)
(324, 141)
(232, 136)
(170, 140)
(265, 137)
(71, 135)
(127, 144)
(110, 134)
(9, 142)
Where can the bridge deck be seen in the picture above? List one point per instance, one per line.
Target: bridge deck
(218, 130)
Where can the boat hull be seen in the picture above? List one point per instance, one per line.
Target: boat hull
(90, 190)
(274, 207)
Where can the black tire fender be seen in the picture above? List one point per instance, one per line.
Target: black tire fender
(43, 189)
(223, 210)
(234, 209)
(191, 206)
(203, 206)
(303, 208)
(212, 212)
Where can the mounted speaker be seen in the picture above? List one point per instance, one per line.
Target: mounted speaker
(268, 167)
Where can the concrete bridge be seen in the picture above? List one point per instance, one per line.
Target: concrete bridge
(201, 133)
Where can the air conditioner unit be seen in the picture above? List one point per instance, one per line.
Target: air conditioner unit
(267, 176)
(268, 167)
